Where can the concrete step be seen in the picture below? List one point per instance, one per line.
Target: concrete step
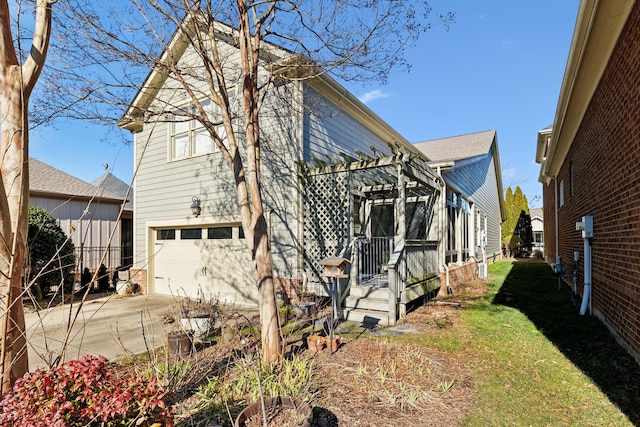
(367, 303)
(369, 292)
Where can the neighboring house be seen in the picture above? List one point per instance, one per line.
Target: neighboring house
(88, 214)
(337, 180)
(470, 165)
(590, 168)
(537, 227)
(114, 185)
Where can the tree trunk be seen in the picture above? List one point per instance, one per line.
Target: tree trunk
(14, 202)
(258, 236)
(270, 332)
(16, 83)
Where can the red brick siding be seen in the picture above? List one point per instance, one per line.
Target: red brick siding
(605, 159)
(139, 276)
(549, 218)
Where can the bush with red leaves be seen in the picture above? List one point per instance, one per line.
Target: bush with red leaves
(85, 392)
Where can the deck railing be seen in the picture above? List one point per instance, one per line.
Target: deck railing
(422, 259)
(411, 262)
(373, 257)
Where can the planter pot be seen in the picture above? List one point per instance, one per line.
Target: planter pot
(122, 287)
(335, 343)
(200, 324)
(179, 345)
(316, 342)
(289, 409)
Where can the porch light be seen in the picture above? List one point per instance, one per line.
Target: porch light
(195, 206)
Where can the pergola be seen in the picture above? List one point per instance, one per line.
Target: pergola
(338, 199)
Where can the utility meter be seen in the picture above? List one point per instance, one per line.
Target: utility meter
(585, 226)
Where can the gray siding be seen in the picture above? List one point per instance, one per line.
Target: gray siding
(477, 182)
(92, 231)
(164, 188)
(329, 131)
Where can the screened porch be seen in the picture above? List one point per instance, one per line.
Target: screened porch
(382, 215)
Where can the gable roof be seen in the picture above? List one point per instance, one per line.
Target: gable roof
(458, 147)
(464, 149)
(45, 180)
(536, 212)
(116, 186)
(280, 59)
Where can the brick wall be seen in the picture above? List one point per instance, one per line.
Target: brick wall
(139, 276)
(458, 274)
(291, 287)
(605, 163)
(548, 212)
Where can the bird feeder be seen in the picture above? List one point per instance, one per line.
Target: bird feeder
(335, 267)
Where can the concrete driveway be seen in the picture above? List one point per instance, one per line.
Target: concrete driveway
(111, 326)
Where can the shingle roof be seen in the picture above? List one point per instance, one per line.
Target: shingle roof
(47, 179)
(458, 147)
(536, 212)
(116, 186)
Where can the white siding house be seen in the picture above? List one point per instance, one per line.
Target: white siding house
(537, 227)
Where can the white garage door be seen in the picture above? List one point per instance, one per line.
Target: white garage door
(210, 261)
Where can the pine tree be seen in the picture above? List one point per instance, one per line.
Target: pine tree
(516, 229)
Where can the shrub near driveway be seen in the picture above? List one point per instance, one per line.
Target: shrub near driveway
(85, 392)
(537, 362)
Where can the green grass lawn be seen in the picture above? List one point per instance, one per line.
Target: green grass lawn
(535, 361)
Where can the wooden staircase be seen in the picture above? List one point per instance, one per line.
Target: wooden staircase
(368, 305)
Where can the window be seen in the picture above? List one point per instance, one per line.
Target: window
(561, 194)
(219, 233)
(190, 138)
(191, 234)
(166, 234)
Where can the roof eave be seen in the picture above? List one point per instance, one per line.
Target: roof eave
(598, 27)
(76, 197)
(542, 143)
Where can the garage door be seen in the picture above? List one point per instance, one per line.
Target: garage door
(212, 261)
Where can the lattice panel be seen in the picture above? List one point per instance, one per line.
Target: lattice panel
(327, 218)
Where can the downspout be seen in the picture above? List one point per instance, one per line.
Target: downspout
(586, 227)
(446, 279)
(555, 211)
(586, 292)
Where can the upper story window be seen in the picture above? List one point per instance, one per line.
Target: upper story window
(189, 138)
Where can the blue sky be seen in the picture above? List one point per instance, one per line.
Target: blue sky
(500, 66)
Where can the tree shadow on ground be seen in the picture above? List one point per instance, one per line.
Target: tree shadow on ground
(532, 288)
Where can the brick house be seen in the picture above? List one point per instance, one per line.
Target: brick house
(589, 165)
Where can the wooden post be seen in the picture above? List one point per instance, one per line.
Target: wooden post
(400, 237)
